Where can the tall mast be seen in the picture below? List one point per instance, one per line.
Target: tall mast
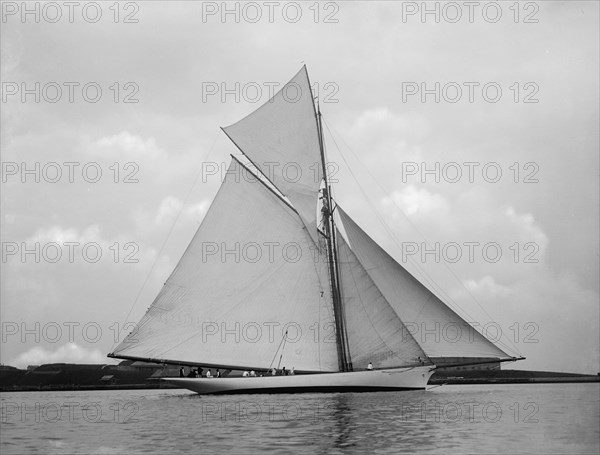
(340, 330)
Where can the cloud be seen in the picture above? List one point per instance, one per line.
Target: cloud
(171, 207)
(487, 287)
(128, 145)
(387, 136)
(538, 311)
(412, 201)
(473, 215)
(57, 245)
(68, 353)
(59, 234)
(383, 120)
(525, 224)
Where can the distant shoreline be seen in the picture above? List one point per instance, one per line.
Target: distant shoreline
(548, 380)
(85, 388)
(69, 378)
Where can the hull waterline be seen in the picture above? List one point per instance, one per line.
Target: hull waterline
(393, 379)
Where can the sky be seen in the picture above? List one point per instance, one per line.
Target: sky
(473, 128)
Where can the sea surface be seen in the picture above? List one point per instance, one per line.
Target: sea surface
(452, 419)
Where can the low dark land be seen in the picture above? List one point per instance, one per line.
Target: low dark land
(507, 377)
(136, 375)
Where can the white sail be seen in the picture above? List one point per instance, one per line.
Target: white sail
(281, 138)
(254, 287)
(375, 333)
(249, 273)
(438, 330)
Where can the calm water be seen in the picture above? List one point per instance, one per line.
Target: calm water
(514, 418)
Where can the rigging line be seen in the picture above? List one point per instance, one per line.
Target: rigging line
(423, 272)
(384, 224)
(368, 200)
(250, 159)
(273, 190)
(465, 314)
(425, 276)
(282, 349)
(158, 255)
(432, 282)
(276, 352)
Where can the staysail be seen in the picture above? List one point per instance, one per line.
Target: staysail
(375, 332)
(250, 273)
(439, 331)
(281, 138)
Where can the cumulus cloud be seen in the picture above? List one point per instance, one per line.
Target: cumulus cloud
(382, 121)
(487, 287)
(67, 245)
(126, 144)
(472, 215)
(59, 234)
(412, 201)
(383, 134)
(526, 225)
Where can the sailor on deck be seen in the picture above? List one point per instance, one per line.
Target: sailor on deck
(370, 366)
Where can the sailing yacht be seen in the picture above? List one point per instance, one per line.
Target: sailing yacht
(279, 272)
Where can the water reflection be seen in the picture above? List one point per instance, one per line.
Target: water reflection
(343, 426)
(374, 422)
(541, 418)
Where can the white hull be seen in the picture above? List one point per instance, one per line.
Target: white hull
(393, 379)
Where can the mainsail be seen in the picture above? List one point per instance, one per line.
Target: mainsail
(438, 330)
(250, 272)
